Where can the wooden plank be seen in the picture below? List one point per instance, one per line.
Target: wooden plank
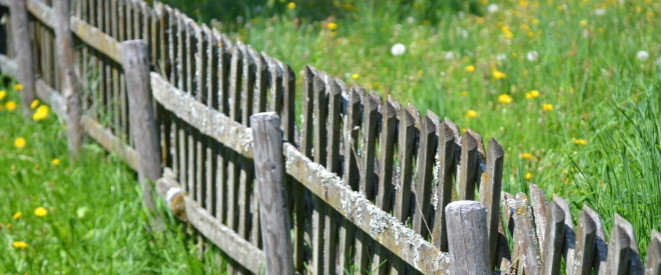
(554, 239)
(320, 117)
(468, 165)
(109, 141)
(93, 37)
(448, 137)
(8, 66)
(351, 130)
(308, 110)
(539, 210)
(387, 142)
(333, 127)
(317, 246)
(623, 253)
(408, 118)
(653, 263)
(380, 226)
(469, 249)
(369, 129)
(490, 187)
(24, 58)
(524, 238)
(570, 236)
(289, 105)
(586, 235)
(41, 12)
(423, 185)
(260, 95)
(208, 121)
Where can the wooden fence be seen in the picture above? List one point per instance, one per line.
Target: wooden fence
(369, 181)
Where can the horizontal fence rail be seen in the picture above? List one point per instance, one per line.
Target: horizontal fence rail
(372, 185)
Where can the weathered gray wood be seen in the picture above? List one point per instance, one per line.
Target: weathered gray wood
(334, 118)
(8, 66)
(585, 242)
(24, 56)
(109, 141)
(600, 246)
(468, 239)
(386, 153)
(490, 187)
(467, 172)
(70, 87)
(408, 118)
(42, 12)
(524, 238)
(423, 185)
(135, 55)
(308, 110)
(554, 239)
(570, 236)
(289, 105)
(95, 38)
(274, 213)
(653, 263)
(538, 205)
(317, 246)
(623, 254)
(351, 130)
(448, 137)
(369, 127)
(242, 251)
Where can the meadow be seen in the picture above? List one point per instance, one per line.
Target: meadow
(570, 88)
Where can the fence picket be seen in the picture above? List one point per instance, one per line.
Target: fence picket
(623, 254)
(448, 139)
(371, 102)
(525, 247)
(586, 234)
(408, 118)
(570, 236)
(653, 266)
(387, 142)
(554, 239)
(423, 185)
(539, 210)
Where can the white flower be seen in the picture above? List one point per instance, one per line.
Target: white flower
(532, 56)
(492, 8)
(642, 55)
(599, 12)
(448, 55)
(398, 49)
(501, 57)
(410, 19)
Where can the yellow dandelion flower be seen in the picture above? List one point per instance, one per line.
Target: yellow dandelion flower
(355, 76)
(535, 21)
(528, 176)
(41, 113)
(531, 34)
(332, 26)
(583, 23)
(547, 107)
(19, 143)
(37, 166)
(532, 94)
(525, 27)
(291, 5)
(18, 215)
(18, 87)
(10, 105)
(20, 245)
(479, 20)
(55, 162)
(3, 94)
(416, 5)
(505, 98)
(40, 211)
(471, 113)
(579, 141)
(464, 93)
(498, 74)
(470, 68)
(34, 104)
(526, 155)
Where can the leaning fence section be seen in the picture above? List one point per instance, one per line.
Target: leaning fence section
(369, 180)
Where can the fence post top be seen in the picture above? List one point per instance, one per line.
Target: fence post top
(264, 116)
(465, 204)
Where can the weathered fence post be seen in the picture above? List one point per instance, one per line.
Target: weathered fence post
(68, 78)
(467, 238)
(269, 172)
(135, 56)
(23, 51)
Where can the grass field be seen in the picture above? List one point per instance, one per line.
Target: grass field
(84, 219)
(569, 88)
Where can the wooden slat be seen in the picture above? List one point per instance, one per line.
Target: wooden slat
(467, 172)
(308, 110)
(369, 127)
(653, 263)
(289, 104)
(334, 118)
(387, 142)
(423, 185)
(554, 239)
(586, 235)
(524, 238)
(570, 236)
(490, 187)
(538, 205)
(318, 223)
(623, 254)
(8, 66)
(41, 12)
(448, 137)
(108, 141)
(96, 39)
(408, 118)
(261, 86)
(320, 117)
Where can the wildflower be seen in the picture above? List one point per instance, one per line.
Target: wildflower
(642, 55)
(492, 8)
(464, 93)
(34, 104)
(498, 74)
(505, 98)
(41, 113)
(579, 141)
(479, 20)
(532, 94)
(501, 57)
(532, 56)
(9, 226)
(10, 105)
(19, 143)
(398, 49)
(332, 26)
(3, 94)
(20, 244)
(18, 87)
(507, 32)
(528, 176)
(355, 76)
(471, 113)
(535, 21)
(55, 162)
(448, 55)
(526, 155)
(599, 12)
(583, 23)
(291, 5)
(547, 107)
(40, 211)
(18, 215)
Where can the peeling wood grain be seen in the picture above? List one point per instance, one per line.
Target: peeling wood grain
(96, 39)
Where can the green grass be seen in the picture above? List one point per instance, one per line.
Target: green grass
(587, 70)
(96, 222)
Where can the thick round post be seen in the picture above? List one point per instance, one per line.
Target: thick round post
(23, 49)
(273, 211)
(135, 56)
(68, 78)
(467, 238)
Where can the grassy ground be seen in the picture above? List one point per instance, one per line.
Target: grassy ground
(563, 85)
(82, 219)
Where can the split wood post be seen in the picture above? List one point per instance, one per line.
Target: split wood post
(23, 51)
(68, 78)
(269, 172)
(467, 237)
(135, 59)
